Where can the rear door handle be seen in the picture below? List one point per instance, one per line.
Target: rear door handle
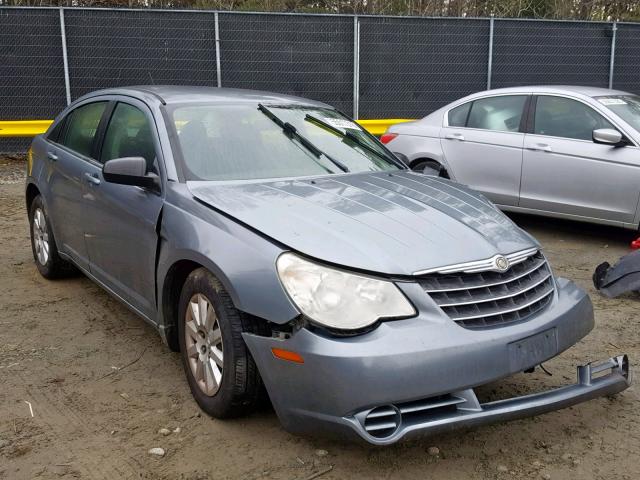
(52, 156)
(454, 136)
(93, 179)
(540, 147)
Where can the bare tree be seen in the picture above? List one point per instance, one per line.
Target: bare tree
(555, 9)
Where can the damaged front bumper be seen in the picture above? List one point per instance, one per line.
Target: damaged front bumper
(417, 376)
(388, 424)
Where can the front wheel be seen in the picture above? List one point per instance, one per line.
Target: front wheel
(222, 375)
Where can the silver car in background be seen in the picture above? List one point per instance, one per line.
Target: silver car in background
(560, 151)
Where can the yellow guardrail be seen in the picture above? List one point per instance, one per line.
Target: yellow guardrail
(378, 127)
(23, 128)
(31, 128)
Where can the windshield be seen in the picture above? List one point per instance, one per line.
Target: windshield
(626, 107)
(242, 142)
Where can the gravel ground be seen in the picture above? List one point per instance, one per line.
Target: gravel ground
(12, 169)
(64, 346)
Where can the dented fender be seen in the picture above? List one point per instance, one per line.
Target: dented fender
(244, 262)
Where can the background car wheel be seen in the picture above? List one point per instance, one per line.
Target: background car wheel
(430, 167)
(43, 243)
(222, 375)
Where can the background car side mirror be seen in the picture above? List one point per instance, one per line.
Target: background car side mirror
(129, 171)
(608, 136)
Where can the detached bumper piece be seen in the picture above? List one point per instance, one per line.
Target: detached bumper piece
(623, 277)
(387, 424)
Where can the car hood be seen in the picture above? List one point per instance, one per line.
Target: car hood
(394, 223)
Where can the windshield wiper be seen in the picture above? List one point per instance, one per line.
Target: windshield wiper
(354, 138)
(291, 131)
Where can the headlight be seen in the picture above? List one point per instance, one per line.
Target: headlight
(338, 299)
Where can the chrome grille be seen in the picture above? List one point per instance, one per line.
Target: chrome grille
(491, 299)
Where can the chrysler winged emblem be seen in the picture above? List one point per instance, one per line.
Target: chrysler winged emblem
(501, 263)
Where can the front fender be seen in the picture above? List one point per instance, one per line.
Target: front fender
(240, 258)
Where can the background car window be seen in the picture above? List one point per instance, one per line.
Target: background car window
(82, 124)
(501, 114)
(458, 115)
(564, 117)
(129, 135)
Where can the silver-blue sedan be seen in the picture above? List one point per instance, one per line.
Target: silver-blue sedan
(560, 151)
(274, 243)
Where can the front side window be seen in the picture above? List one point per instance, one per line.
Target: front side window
(567, 118)
(626, 107)
(501, 114)
(241, 142)
(81, 126)
(129, 134)
(56, 131)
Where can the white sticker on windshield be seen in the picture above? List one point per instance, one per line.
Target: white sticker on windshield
(341, 123)
(612, 101)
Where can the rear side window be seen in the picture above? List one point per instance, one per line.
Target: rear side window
(501, 114)
(81, 126)
(129, 135)
(458, 115)
(567, 118)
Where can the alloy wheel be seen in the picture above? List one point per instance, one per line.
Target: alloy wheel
(40, 236)
(203, 342)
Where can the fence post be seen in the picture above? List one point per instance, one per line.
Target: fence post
(490, 59)
(65, 60)
(356, 66)
(218, 68)
(613, 54)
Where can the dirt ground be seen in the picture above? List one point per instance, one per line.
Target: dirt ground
(62, 344)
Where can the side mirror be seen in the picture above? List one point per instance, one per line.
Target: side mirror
(129, 171)
(607, 136)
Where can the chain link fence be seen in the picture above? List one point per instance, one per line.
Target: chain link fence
(309, 56)
(111, 48)
(412, 66)
(626, 70)
(367, 66)
(32, 81)
(551, 53)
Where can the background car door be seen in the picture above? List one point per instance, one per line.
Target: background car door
(482, 144)
(68, 156)
(564, 171)
(121, 233)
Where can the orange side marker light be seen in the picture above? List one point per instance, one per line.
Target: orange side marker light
(287, 355)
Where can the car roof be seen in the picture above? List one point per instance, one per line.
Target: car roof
(175, 94)
(575, 89)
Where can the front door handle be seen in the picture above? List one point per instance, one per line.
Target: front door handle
(52, 156)
(540, 147)
(92, 179)
(454, 136)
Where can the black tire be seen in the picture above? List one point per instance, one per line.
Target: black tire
(430, 167)
(240, 389)
(53, 266)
